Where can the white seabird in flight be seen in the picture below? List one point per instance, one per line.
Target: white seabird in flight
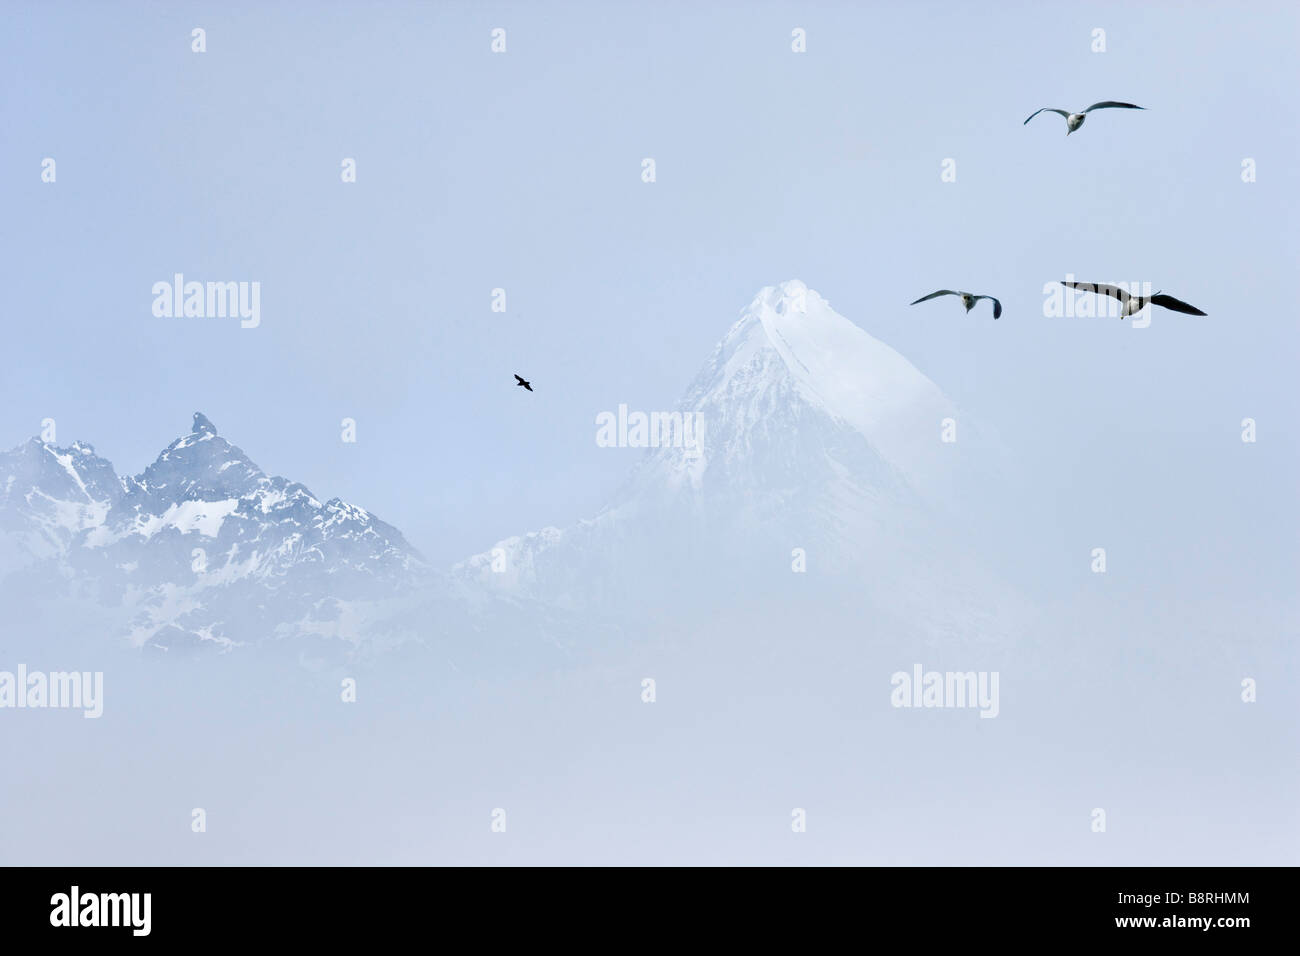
(1135, 303)
(967, 299)
(1074, 120)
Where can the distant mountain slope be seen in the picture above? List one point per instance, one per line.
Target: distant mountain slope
(820, 475)
(203, 546)
(816, 436)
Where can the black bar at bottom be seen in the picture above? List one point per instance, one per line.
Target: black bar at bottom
(334, 905)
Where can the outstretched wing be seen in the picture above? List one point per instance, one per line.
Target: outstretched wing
(997, 306)
(1047, 109)
(1169, 302)
(1111, 104)
(933, 295)
(1114, 291)
(519, 380)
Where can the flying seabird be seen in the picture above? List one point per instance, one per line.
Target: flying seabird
(1135, 303)
(967, 299)
(520, 382)
(1074, 120)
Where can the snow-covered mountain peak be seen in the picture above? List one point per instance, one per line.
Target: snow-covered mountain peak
(203, 546)
(791, 346)
(201, 464)
(74, 473)
(811, 434)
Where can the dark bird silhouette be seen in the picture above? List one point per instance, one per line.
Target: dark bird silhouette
(967, 299)
(1135, 303)
(1074, 120)
(520, 381)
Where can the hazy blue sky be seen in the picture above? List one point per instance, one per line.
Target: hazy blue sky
(522, 171)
